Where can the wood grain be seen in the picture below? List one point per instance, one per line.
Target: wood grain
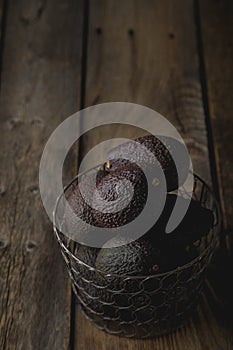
(217, 52)
(138, 59)
(1, 17)
(201, 332)
(39, 83)
(147, 53)
(216, 19)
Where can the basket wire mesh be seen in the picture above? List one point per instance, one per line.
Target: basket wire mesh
(142, 306)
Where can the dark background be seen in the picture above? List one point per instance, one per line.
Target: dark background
(59, 56)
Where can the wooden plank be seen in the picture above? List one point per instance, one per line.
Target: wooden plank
(132, 58)
(202, 332)
(39, 83)
(216, 19)
(1, 16)
(2, 24)
(146, 53)
(216, 46)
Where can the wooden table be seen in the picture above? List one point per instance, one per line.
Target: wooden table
(59, 56)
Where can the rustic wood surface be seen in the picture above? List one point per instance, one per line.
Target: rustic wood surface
(1, 18)
(150, 62)
(40, 78)
(154, 63)
(60, 56)
(216, 18)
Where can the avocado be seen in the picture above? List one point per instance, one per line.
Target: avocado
(138, 257)
(88, 281)
(117, 204)
(80, 207)
(174, 256)
(162, 148)
(141, 257)
(197, 222)
(156, 251)
(86, 254)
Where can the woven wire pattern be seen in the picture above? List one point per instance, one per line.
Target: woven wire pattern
(143, 306)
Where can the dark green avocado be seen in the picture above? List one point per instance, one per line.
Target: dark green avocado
(162, 148)
(197, 223)
(117, 204)
(80, 207)
(138, 257)
(142, 257)
(86, 254)
(88, 281)
(174, 256)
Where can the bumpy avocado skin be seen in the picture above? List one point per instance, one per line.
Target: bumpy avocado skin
(132, 259)
(163, 149)
(135, 258)
(155, 252)
(87, 279)
(86, 254)
(81, 208)
(122, 206)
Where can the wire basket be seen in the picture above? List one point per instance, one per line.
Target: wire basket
(142, 306)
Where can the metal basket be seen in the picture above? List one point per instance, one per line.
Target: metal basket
(143, 306)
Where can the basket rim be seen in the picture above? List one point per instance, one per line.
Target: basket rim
(211, 244)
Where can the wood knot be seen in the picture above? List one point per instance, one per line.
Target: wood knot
(37, 121)
(171, 35)
(30, 246)
(3, 243)
(98, 30)
(131, 32)
(33, 189)
(14, 122)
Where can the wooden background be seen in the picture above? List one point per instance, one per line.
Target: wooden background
(59, 56)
